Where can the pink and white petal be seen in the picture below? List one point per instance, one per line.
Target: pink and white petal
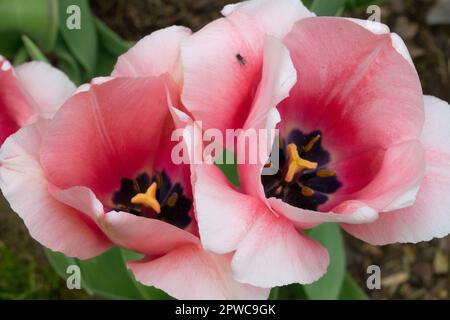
(250, 173)
(46, 86)
(178, 172)
(397, 181)
(222, 67)
(154, 55)
(380, 28)
(305, 219)
(278, 77)
(15, 107)
(191, 273)
(89, 142)
(52, 223)
(373, 26)
(277, 17)
(148, 236)
(274, 253)
(224, 214)
(429, 217)
(344, 94)
(81, 199)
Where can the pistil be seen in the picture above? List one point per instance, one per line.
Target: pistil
(296, 164)
(148, 199)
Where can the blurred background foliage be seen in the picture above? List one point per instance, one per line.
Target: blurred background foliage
(37, 30)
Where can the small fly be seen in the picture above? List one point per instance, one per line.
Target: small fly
(241, 59)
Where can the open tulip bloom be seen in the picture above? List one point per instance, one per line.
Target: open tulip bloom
(358, 145)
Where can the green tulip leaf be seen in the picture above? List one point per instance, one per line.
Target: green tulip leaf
(329, 286)
(78, 31)
(32, 49)
(38, 19)
(106, 275)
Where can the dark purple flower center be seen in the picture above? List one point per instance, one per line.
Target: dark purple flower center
(156, 198)
(303, 180)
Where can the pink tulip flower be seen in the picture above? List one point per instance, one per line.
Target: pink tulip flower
(25, 95)
(99, 173)
(359, 143)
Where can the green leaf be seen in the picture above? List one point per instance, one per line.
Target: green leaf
(353, 4)
(308, 3)
(10, 43)
(274, 293)
(59, 262)
(68, 64)
(327, 7)
(106, 63)
(109, 40)
(293, 291)
(106, 275)
(329, 286)
(21, 56)
(81, 42)
(351, 290)
(229, 170)
(38, 19)
(32, 49)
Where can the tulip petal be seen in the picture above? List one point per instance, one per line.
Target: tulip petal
(429, 216)
(154, 55)
(148, 236)
(274, 253)
(355, 213)
(277, 17)
(110, 132)
(395, 180)
(15, 108)
(224, 214)
(47, 87)
(52, 223)
(344, 93)
(380, 28)
(222, 66)
(190, 272)
(278, 77)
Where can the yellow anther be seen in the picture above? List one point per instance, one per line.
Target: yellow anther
(307, 192)
(148, 199)
(325, 173)
(172, 200)
(159, 179)
(311, 143)
(296, 164)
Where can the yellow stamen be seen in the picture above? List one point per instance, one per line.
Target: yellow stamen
(159, 179)
(172, 199)
(311, 143)
(307, 192)
(296, 164)
(148, 199)
(325, 173)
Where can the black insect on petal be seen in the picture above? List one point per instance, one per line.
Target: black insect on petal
(241, 59)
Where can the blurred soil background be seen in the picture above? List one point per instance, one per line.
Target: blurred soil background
(408, 271)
